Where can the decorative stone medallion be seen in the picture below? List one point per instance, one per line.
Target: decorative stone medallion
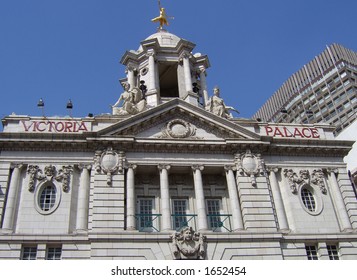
(109, 162)
(178, 129)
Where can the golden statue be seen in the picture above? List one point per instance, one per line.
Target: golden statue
(162, 18)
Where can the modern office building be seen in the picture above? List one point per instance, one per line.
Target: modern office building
(324, 90)
(169, 174)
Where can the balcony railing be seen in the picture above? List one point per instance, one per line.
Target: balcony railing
(148, 222)
(180, 221)
(217, 222)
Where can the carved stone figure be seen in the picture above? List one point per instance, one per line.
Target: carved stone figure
(217, 106)
(132, 102)
(188, 245)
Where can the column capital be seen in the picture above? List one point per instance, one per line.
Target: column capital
(270, 169)
(230, 167)
(185, 55)
(130, 68)
(132, 166)
(83, 166)
(17, 165)
(162, 166)
(332, 170)
(196, 167)
(150, 53)
(202, 70)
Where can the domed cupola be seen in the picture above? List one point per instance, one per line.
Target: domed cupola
(164, 67)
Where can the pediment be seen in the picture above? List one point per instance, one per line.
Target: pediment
(178, 120)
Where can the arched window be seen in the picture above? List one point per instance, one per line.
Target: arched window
(47, 198)
(308, 199)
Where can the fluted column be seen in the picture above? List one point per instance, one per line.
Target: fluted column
(152, 74)
(200, 197)
(11, 202)
(204, 85)
(131, 77)
(338, 200)
(187, 71)
(83, 198)
(278, 201)
(233, 196)
(130, 198)
(165, 197)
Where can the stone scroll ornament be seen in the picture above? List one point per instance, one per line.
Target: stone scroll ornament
(188, 245)
(49, 174)
(249, 164)
(109, 162)
(304, 178)
(318, 178)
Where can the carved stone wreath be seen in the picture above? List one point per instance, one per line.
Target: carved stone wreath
(178, 129)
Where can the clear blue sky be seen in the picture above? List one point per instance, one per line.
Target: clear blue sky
(61, 49)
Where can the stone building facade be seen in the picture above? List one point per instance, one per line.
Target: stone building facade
(170, 174)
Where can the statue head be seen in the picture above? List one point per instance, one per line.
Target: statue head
(187, 233)
(216, 90)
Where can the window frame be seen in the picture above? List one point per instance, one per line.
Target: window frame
(333, 253)
(311, 252)
(31, 254)
(57, 251)
(319, 206)
(40, 189)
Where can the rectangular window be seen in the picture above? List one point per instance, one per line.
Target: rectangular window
(54, 253)
(146, 219)
(311, 252)
(213, 212)
(29, 253)
(179, 212)
(333, 252)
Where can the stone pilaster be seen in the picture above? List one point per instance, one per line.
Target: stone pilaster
(278, 201)
(83, 198)
(233, 196)
(12, 198)
(339, 204)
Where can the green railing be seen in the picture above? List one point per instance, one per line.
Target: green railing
(180, 221)
(217, 222)
(148, 222)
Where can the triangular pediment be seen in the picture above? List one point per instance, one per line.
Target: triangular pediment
(178, 120)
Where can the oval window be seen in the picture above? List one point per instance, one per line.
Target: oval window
(308, 199)
(47, 198)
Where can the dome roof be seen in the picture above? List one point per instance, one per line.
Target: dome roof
(164, 38)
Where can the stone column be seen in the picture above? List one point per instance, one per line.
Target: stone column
(131, 77)
(233, 196)
(204, 85)
(83, 198)
(11, 202)
(152, 74)
(165, 197)
(338, 200)
(187, 71)
(278, 201)
(130, 198)
(200, 197)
